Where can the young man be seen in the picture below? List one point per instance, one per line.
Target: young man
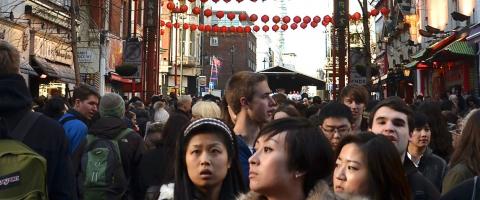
(76, 120)
(248, 99)
(430, 165)
(394, 119)
(46, 137)
(335, 121)
(355, 96)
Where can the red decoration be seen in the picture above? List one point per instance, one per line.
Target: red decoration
(168, 24)
(239, 29)
(297, 19)
(284, 27)
(324, 23)
(265, 28)
(196, 10)
(162, 32)
(275, 28)
(203, 1)
(265, 18)
(232, 29)
(162, 23)
(286, 19)
(193, 27)
(293, 26)
(247, 29)
(220, 14)
(303, 25)
(253, 17)
(239, 1)
(215, 29)
(314, 24)
(176, 25)
(384, 11)
(307, 19)
(208, 28)
(317, 19)
(183, 8)
(231, 16)
(186, 26)
(374, 12)
(207, 12)
(216, 1)
(201, 27)
(276, 19)
(357, 16)
(226, 1)
(327, 18)
(256, 28)
(242, 17)
(224, 29)
(170, 5)
(191, 1)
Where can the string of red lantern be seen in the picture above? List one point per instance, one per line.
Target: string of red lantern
(235, 29)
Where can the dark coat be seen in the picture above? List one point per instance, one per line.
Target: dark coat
(464, 190)
(46, 137)
(433, 168)
(421, 188)
(131, 148)
(152, 169)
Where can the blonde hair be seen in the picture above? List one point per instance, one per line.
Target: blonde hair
(9, 59)
(206, 109)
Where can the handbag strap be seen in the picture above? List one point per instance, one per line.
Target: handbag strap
(474, 193)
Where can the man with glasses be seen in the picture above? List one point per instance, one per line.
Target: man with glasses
(335, 121)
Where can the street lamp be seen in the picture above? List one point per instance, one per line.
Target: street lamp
(264, 62)
(232, 51)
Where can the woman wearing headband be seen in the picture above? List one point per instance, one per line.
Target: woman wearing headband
(207, 163)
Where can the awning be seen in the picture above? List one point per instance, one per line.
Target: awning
(420, 54)
(60, 71)
(456, 50)
(43, 65)
(412, 64)
(116, 77)
(26, 68)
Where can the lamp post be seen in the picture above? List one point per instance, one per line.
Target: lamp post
(232, 51)
(264, 62)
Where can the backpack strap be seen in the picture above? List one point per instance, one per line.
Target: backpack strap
(474, 193)
(24, 125)
(122, 134)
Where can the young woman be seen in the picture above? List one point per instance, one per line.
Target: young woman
(291, 157)
(368, 165)
(207, 163)
(465, 161)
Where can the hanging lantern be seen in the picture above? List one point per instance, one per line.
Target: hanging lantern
(162, 32)
(232, 29)
(183, 8)
(357, 16)
(286, 19)
(193, 27)
(374, 12)
(265, 28)
(327, 18)
(307, 19)
(247, 29)
(239, 1)
(243, 17)
(265, 18)
(284, 27)
(253, 17)
(207, 12)
(162, 23)
(303, 25)
(239, 29)
(191, 1)
(208, 28)
(226, 1)
(253, 0)
(314, 24)
(276, 19)
(231, 16)
(186, 26)
(170, 5)
(384, 11)
(216, 1)
(203, 1)
(176, 25)
(256, 28)
(168, 24)
(215, 29)
(201, 27)
(324, 23)
(297, 19)
(275, 28)
(220, 14)
(196, 10)
(317, 19)
(293, 26)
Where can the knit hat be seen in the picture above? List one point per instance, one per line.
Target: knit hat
(112, 105)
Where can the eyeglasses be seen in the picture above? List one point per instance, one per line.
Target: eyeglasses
(333, 130)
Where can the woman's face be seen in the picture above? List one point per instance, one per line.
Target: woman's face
(206, 160)
(351, 172)
(268, 166)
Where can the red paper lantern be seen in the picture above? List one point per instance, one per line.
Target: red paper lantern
(242, 17)
(215, 29)
(317, 19)
(253, 17)
(324, 23)
(265, 18)
(220, 14)
(162, 32)
(265, 28)
(297, 19)
(183, 8)
(176, 25)
(314, 24)
(232, 29)
(216, 1)
(327, 18)
(186, 26)
(207, 12)
(284, 27)
(303, 25)
(239, 29)
(307, 19)
(224, 29)
(276, 19)
(286, 19)
(193, 27)
(247, 29)
(275, 28)
(170, 5)
(203, 1)
(239, 1)
(231, 16)
(374, 12)
(293, 26)
(253, 0)
(201, 27)
(168, 24)
(208, 28)
(162, 23)
(226, 1)
(256, 28)
(384, 11)
(191, 1)
(196, 10)
(357, 16)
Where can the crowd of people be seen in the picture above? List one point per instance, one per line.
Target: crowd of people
(250, 144)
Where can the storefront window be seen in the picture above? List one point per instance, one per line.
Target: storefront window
(52, 89)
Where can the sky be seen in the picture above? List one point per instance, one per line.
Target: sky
(308, 44)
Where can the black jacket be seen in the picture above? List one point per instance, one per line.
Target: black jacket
(465, 190)
(422, 189)
(46, 137)
(433, 168)
(131, 151)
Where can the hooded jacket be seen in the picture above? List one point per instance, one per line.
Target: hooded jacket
(46, 137)
(131, 149)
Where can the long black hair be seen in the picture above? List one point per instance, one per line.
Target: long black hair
(232, 184)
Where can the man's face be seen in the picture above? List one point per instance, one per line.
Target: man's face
(393, 125)
(357, 108)
(420, 137)
(335, 129)
(88, 107)
(262, 105)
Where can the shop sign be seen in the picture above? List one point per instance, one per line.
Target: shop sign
(88, 60)
(53, 50)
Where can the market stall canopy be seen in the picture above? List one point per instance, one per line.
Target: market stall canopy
(62, 72)
(280, 77)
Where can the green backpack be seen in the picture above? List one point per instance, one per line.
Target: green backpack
(23, 172)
